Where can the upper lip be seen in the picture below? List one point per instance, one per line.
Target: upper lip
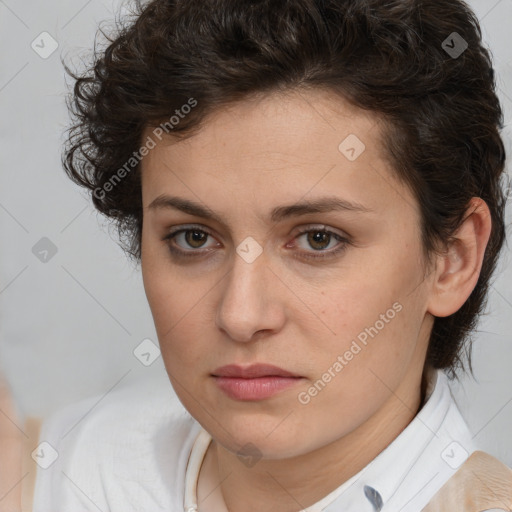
(251, 372)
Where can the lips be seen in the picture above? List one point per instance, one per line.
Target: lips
(252, 372)
(255, 382)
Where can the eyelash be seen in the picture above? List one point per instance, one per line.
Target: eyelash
(194, 254)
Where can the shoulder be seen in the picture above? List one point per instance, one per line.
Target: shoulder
(429, 451)
(482, 483)
(467, 478)
(123, 450)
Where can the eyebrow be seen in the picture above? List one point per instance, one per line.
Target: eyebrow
(279, 213)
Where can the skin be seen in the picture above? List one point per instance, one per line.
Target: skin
(11, 449)
(296, 313)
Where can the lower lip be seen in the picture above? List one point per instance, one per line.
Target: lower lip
(254, 389)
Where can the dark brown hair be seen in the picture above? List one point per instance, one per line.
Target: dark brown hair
(397, 58)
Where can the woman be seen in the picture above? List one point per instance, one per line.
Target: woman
(313, 191)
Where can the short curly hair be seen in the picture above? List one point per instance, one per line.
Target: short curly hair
(420, 64)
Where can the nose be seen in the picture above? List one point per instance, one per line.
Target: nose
(249, 303)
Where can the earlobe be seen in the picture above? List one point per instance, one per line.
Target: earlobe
(458, 268)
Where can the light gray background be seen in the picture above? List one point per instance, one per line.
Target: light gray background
(69, 326)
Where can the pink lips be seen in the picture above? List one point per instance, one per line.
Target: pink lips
(255, 382)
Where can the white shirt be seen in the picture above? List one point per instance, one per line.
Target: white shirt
(129, 451)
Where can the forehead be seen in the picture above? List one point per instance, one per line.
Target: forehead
(294, 123)
(285, 144)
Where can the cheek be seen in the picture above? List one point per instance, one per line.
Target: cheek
(349, 370)
(178, 310)
(378, 307)
(166, 298)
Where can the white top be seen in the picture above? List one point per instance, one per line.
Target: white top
(129, 451)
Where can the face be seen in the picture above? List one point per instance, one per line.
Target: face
(334, 295)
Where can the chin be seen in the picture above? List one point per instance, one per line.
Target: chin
(259, 438)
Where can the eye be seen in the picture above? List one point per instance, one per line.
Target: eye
(193, 237)
(319, 239)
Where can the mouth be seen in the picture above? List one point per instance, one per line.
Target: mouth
(255, 382)
(253, 371)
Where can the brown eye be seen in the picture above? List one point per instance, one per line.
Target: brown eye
(195, 238)
(320, 239)
(188, 241)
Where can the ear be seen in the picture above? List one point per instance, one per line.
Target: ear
(458, 268)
